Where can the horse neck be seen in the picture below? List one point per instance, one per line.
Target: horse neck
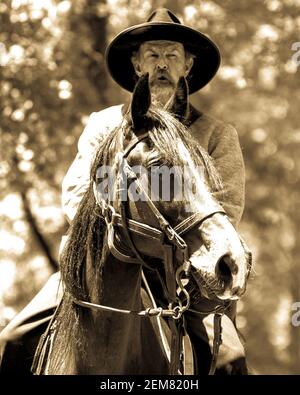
(117, 335)
(120, 284)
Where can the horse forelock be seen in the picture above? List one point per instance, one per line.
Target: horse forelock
(167, 136)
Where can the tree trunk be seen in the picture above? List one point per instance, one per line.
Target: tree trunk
(98, 27)
(38, 236)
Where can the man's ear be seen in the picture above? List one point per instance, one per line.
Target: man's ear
(188, 65)
(136, 64)
(141, 101)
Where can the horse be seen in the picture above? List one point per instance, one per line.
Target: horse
(125, 237)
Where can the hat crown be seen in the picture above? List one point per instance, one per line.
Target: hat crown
(163, 15)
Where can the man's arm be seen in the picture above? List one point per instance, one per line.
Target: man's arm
(225, 149)
(77, 179)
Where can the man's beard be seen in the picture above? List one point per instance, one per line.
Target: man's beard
(162, 88)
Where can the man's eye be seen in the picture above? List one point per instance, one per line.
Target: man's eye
(172, 55)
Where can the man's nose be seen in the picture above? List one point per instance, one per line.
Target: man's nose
(162, 63)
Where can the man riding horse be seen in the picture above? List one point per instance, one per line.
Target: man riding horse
(167, 51)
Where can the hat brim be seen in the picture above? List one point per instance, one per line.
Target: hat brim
(118, 54)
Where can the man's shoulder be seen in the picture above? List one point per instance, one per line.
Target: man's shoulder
(210, 132)
(209, 122)
(111, 113)
(101, 122)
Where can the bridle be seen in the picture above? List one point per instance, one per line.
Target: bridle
(171, 242)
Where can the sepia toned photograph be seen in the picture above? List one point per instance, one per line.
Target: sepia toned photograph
(149, 190)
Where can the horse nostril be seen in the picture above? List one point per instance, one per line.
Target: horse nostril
(237, 291)
(226, 268)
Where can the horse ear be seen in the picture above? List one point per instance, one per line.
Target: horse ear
(179, 106)
(141, 100)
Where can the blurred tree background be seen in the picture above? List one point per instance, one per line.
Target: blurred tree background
(53, 76)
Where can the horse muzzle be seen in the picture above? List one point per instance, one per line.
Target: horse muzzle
(224, 279)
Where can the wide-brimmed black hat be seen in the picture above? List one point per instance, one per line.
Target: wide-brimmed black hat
(162, 24)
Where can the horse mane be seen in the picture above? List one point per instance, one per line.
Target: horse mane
(87, 231)
(165, 131)
(85, 236)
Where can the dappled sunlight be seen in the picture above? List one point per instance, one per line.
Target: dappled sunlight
(267, 32)
(279, 328)
(19, 281)
(54, 75)
(11, 244)
(267, 77)
(233, 74)
(39, 268)
(65, 89)
(10, 206)
(259, 135)
(7, 275)
(6, 314)
(190, 13)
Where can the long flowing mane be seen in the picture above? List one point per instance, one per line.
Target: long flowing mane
(87, 231)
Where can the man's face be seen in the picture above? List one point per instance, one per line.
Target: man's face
(166, 62)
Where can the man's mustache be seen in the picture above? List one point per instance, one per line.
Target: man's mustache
(161, 75)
